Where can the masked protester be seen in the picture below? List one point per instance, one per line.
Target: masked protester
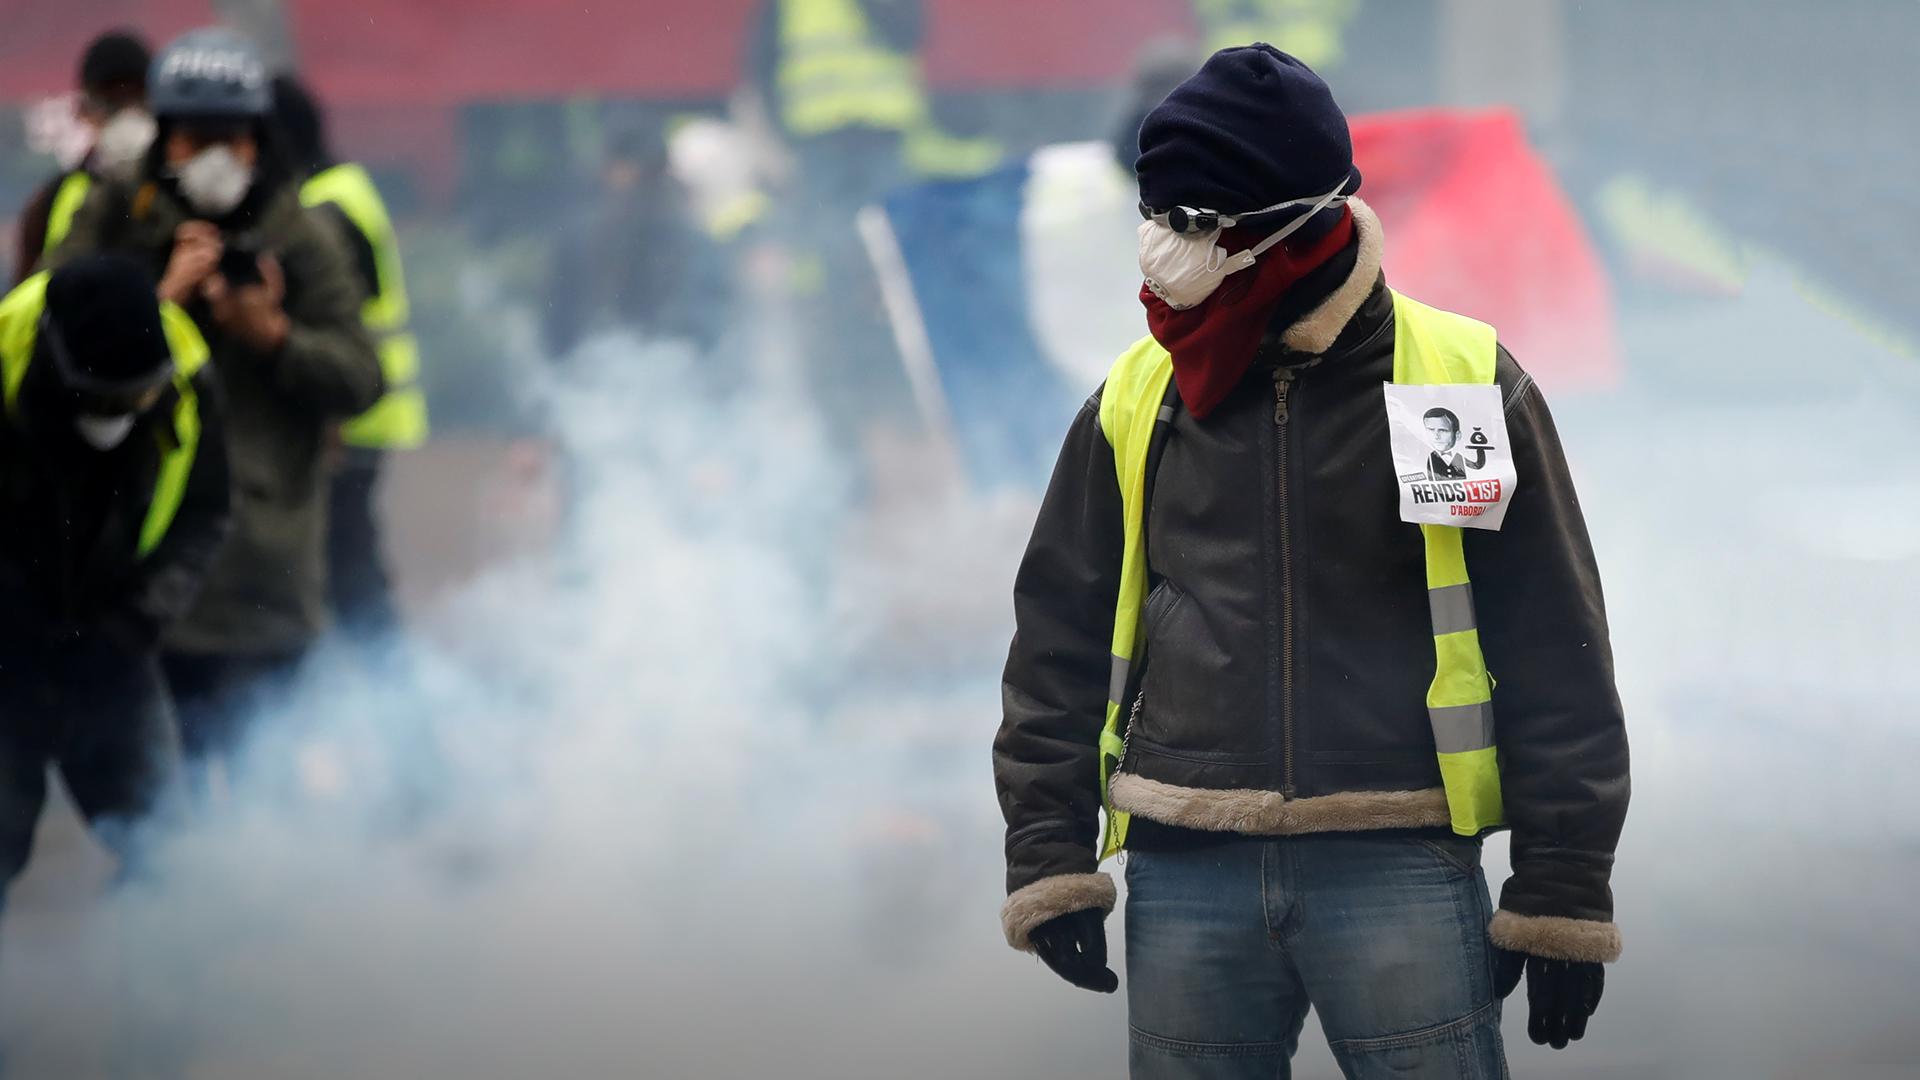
(214, 211)
(1250, 628)
(113, 93)
(113, 501)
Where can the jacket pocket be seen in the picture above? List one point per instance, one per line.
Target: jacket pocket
(1197, 702)
(1161, 603)
(1461, 853)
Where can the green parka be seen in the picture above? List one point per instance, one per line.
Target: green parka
(266, 592)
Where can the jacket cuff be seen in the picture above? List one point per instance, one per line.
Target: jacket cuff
(1051, 897)
(1556, 937)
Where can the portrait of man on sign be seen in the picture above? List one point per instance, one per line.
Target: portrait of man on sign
(1443, 430)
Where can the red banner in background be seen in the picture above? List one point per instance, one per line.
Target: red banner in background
(1477, 223)
(412, 53)
(41, 40)
(1043, 44)
(445, 52)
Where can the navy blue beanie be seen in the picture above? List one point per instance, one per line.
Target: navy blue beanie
(1252, 128)
(106, 321)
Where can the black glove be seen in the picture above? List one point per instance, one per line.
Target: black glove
(1074, 945)
(1561, 994)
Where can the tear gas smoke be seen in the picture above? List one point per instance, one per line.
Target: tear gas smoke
(703, 791)
(707, 796)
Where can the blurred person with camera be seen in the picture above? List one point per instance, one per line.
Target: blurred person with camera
(113, 96)
(358, 586)
(1249, 629)
(215, 212)
(113, 502)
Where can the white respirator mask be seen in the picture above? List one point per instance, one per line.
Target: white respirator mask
(122, 142)
(103, 433)
(1183, 263)
(214, 180)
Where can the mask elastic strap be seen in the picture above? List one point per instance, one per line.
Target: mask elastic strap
(1329, 199)
(1334, 194)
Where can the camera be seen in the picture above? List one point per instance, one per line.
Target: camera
(240, 262)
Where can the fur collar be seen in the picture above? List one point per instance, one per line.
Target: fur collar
(1317, 329)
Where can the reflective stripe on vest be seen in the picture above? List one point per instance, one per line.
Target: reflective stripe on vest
(66, 203)
(19, 325)
(398, 421)
(1430, 346)
(932, 153)
(835, 74)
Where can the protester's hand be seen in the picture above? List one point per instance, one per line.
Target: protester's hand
(251, 313)
(1561, 994)
(196, 253)
(1074, 945)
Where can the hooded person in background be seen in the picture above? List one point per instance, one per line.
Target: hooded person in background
(113, 502)
(113, 96)
(635, 256)
(215, 213)
(1161, 65)
(358, 586)
(1277, 685)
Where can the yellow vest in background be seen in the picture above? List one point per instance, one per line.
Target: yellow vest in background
(398, 421)
(66, 202)
(1313, 31)
(835, 73)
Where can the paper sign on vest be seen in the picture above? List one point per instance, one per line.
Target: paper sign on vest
(1451, 455)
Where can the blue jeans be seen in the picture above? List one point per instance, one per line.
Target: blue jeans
(1383, 934)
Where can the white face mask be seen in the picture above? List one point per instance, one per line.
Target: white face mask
(1184, 269)
(104, 432)
(122, 142)
(214, 181)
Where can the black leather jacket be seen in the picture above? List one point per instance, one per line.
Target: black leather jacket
(1289, 645)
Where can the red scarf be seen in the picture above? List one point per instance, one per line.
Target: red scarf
(1214, 342)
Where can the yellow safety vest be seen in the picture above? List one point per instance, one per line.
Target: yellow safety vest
(936, 155)
(1311, 30)
(398, 421)
(835, 74)
(19, 327)
(66, 203)
(1429, 347)
(732, 217)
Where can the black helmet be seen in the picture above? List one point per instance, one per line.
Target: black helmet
(116, 62)
(212, 73)
(102, 327)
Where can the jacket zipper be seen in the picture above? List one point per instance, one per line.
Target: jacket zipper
(1126, 737)
(1283, 384)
